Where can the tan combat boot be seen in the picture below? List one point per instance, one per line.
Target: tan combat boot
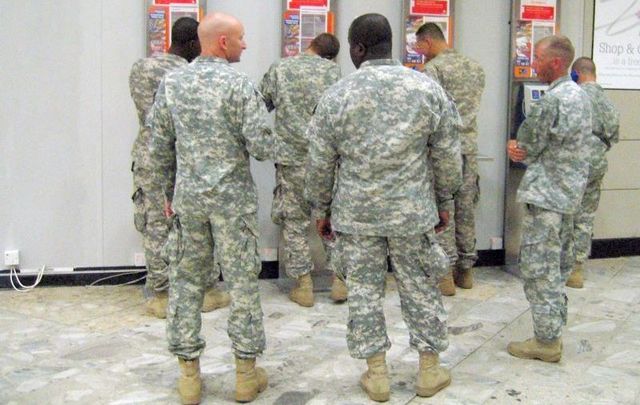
(447, 287)
(536, 349)
(431, 376)
(190, 384)
(302, 293)
(215, 298)
(375, 381)
(250, 380)
(576, 279)
(157, 305)
(338, 290)
(464, 278)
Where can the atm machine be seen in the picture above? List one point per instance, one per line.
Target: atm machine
(528, 25)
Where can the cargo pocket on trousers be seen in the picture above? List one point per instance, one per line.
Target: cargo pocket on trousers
(250, 233)
(139, 212)
(533, 247)
(434, 260)
(173, 250)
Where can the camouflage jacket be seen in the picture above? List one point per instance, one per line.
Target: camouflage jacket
(554, 136)
(463, 79)
(392, 131)
(144, 80)
(606, 125)
(208, 118)
(292, 87)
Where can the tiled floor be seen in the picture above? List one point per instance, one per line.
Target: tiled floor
(94, 345)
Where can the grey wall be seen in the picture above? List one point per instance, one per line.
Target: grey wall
(67, 123)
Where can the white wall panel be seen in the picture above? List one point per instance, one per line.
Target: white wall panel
(50, 132)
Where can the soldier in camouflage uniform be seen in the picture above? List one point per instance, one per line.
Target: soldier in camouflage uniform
(209, 118)
(606, 124)
(552, 142)
(292, 87)
(463, 79)
(150, 220)
(388, 127)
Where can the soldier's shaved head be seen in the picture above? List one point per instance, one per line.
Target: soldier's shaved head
(221, 35)
(584, 65)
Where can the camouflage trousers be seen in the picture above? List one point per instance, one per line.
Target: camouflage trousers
(459, 238)
(192, 258)
(150, 221)
(419, 263)
(584, 217)
(546, 261)
(292, 213)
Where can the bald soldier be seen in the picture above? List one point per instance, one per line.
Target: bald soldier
(386, 136)
(209, 118)
(149, 218)
(463, 79)
(552, 142)
(606, 125)
(292, 87)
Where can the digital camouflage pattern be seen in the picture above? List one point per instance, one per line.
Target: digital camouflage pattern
(606, 125)
(555, 137)
(418, 261)
(546, 261)
(459, 238)
(292, 212)
(208, 118)
(236, 253)
(144, 79)
(292, 87)
(392, 131)
(463, 79)
(383, 123)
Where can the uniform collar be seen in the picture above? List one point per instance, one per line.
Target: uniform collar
(559, 80)
(380, 62)
(210, 59)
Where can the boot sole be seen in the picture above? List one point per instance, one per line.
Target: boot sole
(249, 398)
(376, 396)
(426, 392)
(549, 359)
(338, 298)
(307, 304)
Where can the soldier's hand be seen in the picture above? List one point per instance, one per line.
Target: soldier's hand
(444, 221)
(323, 226)
(516, 153)
(168, 211)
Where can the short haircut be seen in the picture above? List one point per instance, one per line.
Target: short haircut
(325, 45)
(430, 30)
(584, 65)
(184, 30)
(373, 32)
(560, 47)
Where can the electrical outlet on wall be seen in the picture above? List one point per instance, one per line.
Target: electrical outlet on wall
(11, 257)
(139, 260)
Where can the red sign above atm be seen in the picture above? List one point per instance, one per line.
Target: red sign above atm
(429, 7)
(296, 4)
(538, 13)
(176, 2)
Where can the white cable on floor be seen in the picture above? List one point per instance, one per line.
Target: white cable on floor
(13, 272)
(118, 275)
